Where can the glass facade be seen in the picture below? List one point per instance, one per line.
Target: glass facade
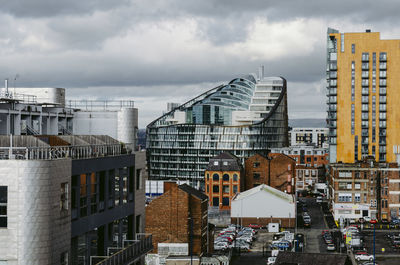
(245, 117)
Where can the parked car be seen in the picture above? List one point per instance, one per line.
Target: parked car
(373, 221)
(271, 260)
(306, 221)
(255, 226)
(363, 256)
(369, 263)
(384, 221)
(221, 246)
(331, 247)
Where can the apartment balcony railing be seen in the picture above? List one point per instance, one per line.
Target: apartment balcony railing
(59, 152)
(127, 255)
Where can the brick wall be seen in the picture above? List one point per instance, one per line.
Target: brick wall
(167, 219)
(276, 171)
(256, 165)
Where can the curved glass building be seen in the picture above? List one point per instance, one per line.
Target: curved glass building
(244, 117)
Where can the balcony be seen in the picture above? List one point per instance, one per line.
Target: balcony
(332, 92)
(130, 253)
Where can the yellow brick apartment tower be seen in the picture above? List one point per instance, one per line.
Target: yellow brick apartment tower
(363, 74)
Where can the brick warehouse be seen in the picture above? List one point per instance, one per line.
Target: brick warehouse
(365, 189)
(223, 179)
(168, 219)
(276, 170)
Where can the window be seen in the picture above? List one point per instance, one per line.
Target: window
(342, 42)
(235, 189)
(215, 163)
(225, 177)
(208, 176)
(353, 48)
(256, 175)
(64, 196)
(225, 201)
(256, 164)
(357, 197)
(64, 258)
(357, 211)
(138, 179)
(225, 163)
(216, 201)
(215, 177)
(357, 186)
(3, 206)
(225, 189)
(288, 167)
(215, 188)
(235, 177)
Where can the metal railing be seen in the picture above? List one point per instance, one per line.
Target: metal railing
(90, 105)
(19, 97)
(58, 152)
(137, 248)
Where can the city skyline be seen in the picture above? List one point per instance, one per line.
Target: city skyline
(168, 50)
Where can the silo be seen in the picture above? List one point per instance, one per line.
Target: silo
(128, 125)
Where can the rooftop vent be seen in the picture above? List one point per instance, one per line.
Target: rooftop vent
(368, 30)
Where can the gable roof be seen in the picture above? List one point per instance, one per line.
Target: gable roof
(192, 191)
(264, 188)
(232, 163)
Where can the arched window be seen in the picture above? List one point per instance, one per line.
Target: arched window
(215, 177)
(225, 177)
(235, 177)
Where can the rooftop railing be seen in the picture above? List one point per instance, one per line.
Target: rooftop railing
(93, 105)
(18, 97)
(128, 254)
(59, 152)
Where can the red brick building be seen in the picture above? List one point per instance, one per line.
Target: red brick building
(276, 170)
(307, 155)
(180, 215)
(223, 179)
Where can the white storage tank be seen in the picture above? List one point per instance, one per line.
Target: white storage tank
(127, 125)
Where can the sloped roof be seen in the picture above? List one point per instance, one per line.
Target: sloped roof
(264, 188)
(192, 191)
(232, 163)
(311, 258)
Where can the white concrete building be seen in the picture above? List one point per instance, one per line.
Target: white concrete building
(262, 205)
(39, 111)
(317, 136)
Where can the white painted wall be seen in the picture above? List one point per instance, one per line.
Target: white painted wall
(96, 123)
(262, 204)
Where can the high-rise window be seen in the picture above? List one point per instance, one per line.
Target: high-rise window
(353, 48)
(3, 205)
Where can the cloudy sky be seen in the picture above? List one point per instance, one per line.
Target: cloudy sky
(159, 51)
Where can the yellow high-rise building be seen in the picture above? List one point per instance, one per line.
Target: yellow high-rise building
(363, 75)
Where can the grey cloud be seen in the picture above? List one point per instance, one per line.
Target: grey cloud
(49, 8)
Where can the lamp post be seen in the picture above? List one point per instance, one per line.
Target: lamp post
(374, 243)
